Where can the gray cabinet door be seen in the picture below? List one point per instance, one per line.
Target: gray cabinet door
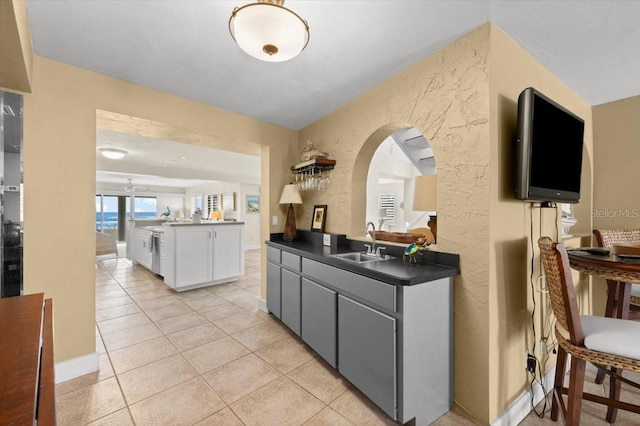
(367, 352)
(273, 289)
(319, 319)
(290, 299)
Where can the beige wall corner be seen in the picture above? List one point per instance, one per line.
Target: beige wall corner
(16, 51)
(60, 121)
(512, 70)
(446, 96)
(616, 146)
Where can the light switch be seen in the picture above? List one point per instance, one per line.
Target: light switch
(326, 239)
(274, 220)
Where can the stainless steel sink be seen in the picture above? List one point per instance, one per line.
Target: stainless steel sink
(359, 257)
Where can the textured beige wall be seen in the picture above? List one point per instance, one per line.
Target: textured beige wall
(16, 53)
(59, 176)
(616, 143)
(446, 96)
(512, 70)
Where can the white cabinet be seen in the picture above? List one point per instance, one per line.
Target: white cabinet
(194, 252)
(143, 252)
(228, 252)
(195, 256)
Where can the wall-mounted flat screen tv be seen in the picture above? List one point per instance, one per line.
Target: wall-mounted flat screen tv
(549, 147)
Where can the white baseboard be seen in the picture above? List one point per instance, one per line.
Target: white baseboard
(521, 407)
(262, 305)
(76, 367)
(252, 247)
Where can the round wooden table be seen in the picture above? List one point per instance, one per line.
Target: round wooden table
(620, 273)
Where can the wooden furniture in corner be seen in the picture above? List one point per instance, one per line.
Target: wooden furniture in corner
(27, 385)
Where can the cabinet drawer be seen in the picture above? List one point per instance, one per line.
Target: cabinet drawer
(291, 261)
(273, 254)
(377, 292)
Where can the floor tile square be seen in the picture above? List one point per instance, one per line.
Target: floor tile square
(329, 417)
(183, 404)
(286, 355)
(212, 355)
(239, 378)
(168, 311)
(358, 409)
(224, 417)
(152, 378)
(279, 403)
(123, 323)
(238, 322)
(89, 403)
(140, 354)
(116, 301)
(196, 336)
(260, 336)
(220, 311)
(119, 418)
(320, 379)
(130, 336)
(116, 311)
(180, 322)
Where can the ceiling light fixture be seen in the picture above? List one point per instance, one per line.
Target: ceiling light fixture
(113, 153)
(269, 31)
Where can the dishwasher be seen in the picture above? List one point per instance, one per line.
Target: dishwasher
(156, 236)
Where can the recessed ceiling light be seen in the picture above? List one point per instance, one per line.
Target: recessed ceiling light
(165, 165)
(183, 157)
(113, 153)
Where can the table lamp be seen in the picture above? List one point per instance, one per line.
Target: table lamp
(425, 198)
(215, 215)
(290, 195)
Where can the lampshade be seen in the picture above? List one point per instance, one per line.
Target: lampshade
(113, 153)
(425, 195)
(217, 215)
(269, 31)
(290, 195)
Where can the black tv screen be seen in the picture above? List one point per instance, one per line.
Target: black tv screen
(548, 150)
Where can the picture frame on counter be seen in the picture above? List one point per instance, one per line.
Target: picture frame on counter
(253, 204)
(319, 217)
(229, 202)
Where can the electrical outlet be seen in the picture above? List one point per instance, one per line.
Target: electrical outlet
(531, 364)
(326, 239)
(274, 220)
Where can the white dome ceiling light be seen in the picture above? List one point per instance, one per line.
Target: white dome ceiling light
(113, 153)
(269, 31)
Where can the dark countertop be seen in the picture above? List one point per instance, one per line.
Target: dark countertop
(433, 265)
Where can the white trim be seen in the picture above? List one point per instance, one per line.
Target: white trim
(252, 247)
(76, 367)
(521, 407)
(262, 305)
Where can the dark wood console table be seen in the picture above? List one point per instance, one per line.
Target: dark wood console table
(27, 385)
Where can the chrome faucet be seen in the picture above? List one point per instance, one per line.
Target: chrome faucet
(371, 249)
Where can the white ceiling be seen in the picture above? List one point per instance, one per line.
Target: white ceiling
(183, 47)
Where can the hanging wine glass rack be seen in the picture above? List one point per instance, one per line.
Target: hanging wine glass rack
(313, 174)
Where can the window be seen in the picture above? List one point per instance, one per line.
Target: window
(213, 203)
(387, 202)
(196, 203)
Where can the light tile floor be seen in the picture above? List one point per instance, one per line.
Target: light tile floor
(209, 357)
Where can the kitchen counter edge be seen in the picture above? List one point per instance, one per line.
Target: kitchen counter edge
(391, 271)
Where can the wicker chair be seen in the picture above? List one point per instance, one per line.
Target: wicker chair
(607, 238)
(608, 343)
(105, 244)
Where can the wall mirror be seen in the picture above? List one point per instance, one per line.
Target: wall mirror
(11, 194)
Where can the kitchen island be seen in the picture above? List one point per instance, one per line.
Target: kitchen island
(191, 255)
(387, 327)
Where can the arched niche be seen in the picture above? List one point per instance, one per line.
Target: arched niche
(360, 178)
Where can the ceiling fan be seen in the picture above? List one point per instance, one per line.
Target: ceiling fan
(130, 187)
